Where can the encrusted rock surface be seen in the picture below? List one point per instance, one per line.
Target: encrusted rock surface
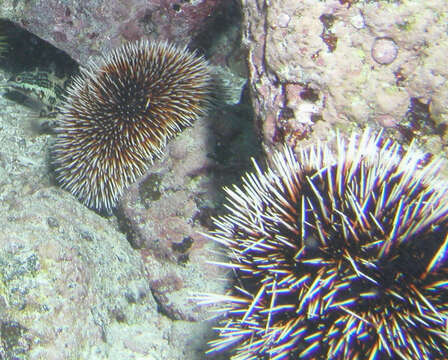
(71, 286)
(319, 53)
(84, 28)
(166, 213)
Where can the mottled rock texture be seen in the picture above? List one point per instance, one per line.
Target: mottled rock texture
(84, 28)
(328, 54)
(166, 213)
(71, 286)
(76, 285)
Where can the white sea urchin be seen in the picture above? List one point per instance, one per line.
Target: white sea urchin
(337, 255)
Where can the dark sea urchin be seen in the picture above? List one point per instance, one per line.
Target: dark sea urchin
(337, 255)
(119, 114)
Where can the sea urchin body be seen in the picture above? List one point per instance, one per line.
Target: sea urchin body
(337, 255)
(119, 114)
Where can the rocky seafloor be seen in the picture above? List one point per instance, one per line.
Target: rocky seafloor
(79, 285)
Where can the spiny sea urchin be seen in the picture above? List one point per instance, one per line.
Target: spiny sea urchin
(119, 114)
(337, 256)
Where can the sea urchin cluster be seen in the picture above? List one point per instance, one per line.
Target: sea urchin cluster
(119, 114)
(337, 255)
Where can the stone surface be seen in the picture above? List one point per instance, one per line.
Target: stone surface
(72, 286)
(86, 28)
(166, 212)
(320, 52)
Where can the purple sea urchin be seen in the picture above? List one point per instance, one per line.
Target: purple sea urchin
(337, 255)
(119, 114)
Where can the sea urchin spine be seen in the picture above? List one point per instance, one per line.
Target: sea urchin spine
(119, 114)
(337, 255)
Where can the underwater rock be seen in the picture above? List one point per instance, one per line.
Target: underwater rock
(323, 50)
(84, 28)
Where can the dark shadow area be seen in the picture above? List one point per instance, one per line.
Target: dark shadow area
(26, 52)
(225, 23)
(30, 61)
(234, 140)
